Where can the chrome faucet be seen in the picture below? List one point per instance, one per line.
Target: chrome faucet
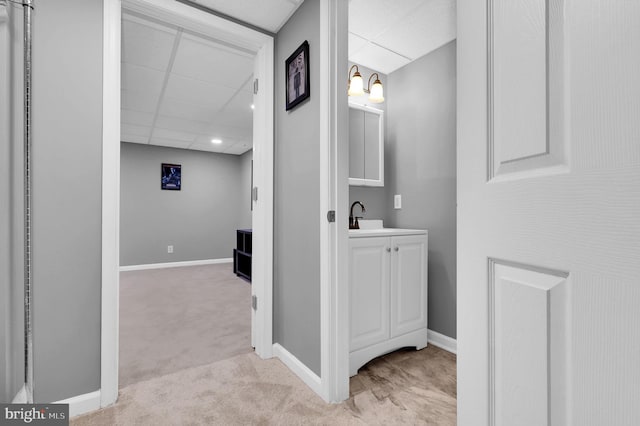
(353, 221)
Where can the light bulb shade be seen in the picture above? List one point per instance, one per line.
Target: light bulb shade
(377, 94)
(356, 85)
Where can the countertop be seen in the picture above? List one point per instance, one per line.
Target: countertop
(384, 232)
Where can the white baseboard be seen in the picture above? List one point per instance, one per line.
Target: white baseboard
(175, 264)
(302, 371)
(442, 341)
(21, 396)
(82, 404)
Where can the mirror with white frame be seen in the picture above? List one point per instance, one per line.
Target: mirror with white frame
(366, 145)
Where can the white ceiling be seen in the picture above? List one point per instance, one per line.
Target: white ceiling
(181, 90)
(175, 92)
(270, 15)
(385, 35)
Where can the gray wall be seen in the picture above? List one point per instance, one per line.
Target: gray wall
(420, 164)
(245, 189)
(200, 220)
(375, 200)
(67, 157)
(296, 298)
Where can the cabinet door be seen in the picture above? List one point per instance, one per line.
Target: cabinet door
(369, 291)
(408, 284)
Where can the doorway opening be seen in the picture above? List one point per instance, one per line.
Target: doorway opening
(402, 179)
(189, 41)
(187, 129)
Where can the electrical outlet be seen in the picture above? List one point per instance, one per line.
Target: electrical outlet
(169, 249)
(397, 201)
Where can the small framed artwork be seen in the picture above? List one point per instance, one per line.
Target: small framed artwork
(171, 176)
(297, 76)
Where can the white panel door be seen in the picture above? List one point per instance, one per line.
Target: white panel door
(408, 284)
(368, 291)
(548, 212)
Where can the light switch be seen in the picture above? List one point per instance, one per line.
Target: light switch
(397, 201)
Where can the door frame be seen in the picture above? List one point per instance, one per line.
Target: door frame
(262, 284)
(334, 195)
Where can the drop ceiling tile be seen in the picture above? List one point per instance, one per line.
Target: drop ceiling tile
(205, 139)
(132, 129)
(248, 87)
(208, 146)
(133, 139)
(229, 132)
(356, 43)
(197, 92)
(138, 101)
(235, 117)
(136, 117)
(169, 143)
(239, 148)
(146, 43)
(367, 18)
(270, 15)
(142, 79)
(427, 28)
(188, 110)
(182, 124)
(230, 118)
(202, 60)
(175, 135)
(378, 58)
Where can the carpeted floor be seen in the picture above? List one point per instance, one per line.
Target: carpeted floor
(404, 387)
(178, 318)
(185, 358)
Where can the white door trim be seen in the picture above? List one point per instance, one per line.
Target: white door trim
(109, 342)
(219, 28)
(333, 196)
(262, 258)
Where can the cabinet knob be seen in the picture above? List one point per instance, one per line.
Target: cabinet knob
(388, 249)
(396, 249)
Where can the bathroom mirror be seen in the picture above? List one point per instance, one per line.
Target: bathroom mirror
(366, 146)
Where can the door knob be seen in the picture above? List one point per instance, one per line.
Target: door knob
(388, 249)
(396, 249)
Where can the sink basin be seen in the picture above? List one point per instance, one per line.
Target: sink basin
(370, 224)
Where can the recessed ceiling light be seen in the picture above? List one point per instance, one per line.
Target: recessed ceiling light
(216, 141)
(253, 106)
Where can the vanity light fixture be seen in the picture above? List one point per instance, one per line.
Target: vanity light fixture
(216, 141)
(356, 86)
(376, 94)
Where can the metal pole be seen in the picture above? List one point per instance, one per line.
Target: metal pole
(28, 285)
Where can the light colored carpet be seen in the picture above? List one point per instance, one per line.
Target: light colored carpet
(177, 318)
(405, 387)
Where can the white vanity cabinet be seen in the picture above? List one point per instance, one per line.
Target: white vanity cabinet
(387, 293)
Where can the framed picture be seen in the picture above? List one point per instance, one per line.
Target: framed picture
(297, 76)
(171, 176)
